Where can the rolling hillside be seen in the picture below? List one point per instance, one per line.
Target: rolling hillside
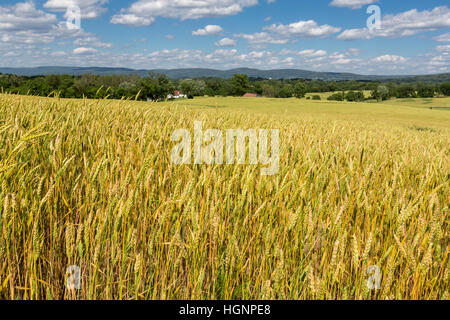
(199, 73)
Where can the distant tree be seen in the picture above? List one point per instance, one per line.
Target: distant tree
(269, 91)
(353, 96)
(316, 97)
(194, 88)
(426, 91)
(300, 90)
(165, 87)
(381, 93)
(158, 87)
(392, 90)
(240, 84)
(155, 88)
(286, 91)
(54, 81)
(257, 88)
(406, 91)
(445, 89)
(360, 96)
(37, 87)
(187, 87)
(337, 97)
(332, 86)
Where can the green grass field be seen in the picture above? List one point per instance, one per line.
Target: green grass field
(401, 112)
(89, 183)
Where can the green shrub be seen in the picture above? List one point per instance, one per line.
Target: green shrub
(336, 97)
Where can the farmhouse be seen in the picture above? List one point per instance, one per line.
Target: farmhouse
(177, 95)
(250, 95)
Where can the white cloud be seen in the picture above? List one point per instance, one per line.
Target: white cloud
(226, 42)
(388, 58)
(445, 48)
(353, 4)
(24, 16)
(403, 24)
(261, 38)
(11, 54)
(58, 54)
(343, 61)
(441, 62)
(303, 29)
(354, 51)
(284, 34)
(90, 9)
(443, 37)
(92, 41)
(182, 9)
(23, 27)
(310, 53)
(84, 51)
(208, 31)
(132, 19)
(310, 59)
(23, 23)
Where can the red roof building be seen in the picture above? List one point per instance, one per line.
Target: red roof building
(250, 95)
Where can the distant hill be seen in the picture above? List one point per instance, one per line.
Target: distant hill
(200, 73)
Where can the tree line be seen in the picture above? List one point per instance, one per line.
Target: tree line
(158, 87)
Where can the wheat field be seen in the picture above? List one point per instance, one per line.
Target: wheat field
(90, 183)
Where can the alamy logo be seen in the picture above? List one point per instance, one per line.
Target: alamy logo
(374, 281)
(73, 281)
(213, 152)
(374, 21)
(73, 16)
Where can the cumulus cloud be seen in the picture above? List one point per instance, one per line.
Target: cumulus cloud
(208, 31)
(84, 51)
(404, 24)
(311, 53)
(24, 16)
(284, 34)
(389, 58)
(11, 54)
(439, 63)
(303, 29)
(58, 53)
(262, 38)
(132, 19)
(445, 48)
(223, 58)
(307, 53)
(353, 4)
(24, 23)
(443, 37)
(354, 51)
(226, 42)
(181, 9)
(24, 27)
(92, 41)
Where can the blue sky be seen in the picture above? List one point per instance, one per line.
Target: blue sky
(320, 35)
